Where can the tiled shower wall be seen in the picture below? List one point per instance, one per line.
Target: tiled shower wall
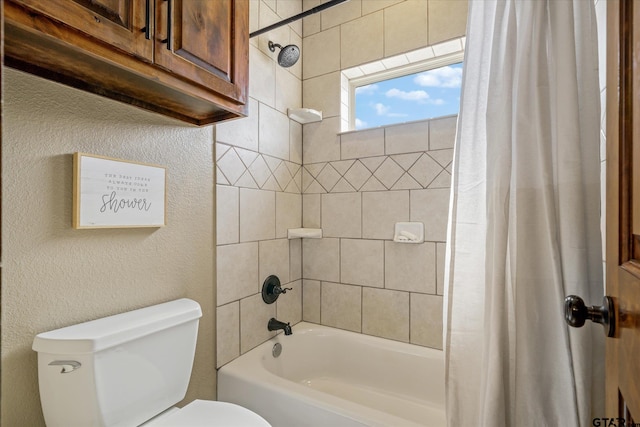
(356, 277)
(358, 184)
(259, 180)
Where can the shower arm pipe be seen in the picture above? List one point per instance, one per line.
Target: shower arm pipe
(311, 11)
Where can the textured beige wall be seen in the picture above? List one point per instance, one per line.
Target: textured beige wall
(53, 275)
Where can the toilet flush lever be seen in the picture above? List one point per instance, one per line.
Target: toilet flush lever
(67, 365)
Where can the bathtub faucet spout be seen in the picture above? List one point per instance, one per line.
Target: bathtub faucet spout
(275, 325)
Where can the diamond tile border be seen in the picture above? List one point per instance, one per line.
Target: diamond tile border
(240, 167)
(411, 171)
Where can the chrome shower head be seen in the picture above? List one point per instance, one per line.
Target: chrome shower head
(288, 55)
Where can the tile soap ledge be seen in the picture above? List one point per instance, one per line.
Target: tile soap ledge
(307, 233)
(304, 115)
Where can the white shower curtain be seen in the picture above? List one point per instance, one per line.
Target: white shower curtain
(524, 226)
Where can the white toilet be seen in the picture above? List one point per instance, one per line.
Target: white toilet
(128, 370)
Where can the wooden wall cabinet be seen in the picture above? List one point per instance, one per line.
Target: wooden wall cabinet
(188, 59)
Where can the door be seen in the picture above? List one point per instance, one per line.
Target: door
(205, 42)
(124, 24)
(623, 208)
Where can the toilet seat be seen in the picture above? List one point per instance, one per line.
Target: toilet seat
(207, 413)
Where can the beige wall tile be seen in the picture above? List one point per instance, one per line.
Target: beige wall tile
(254, 316)
(227, 333)
(279, 35)
(274, 132)
(426, 320)
(295, 142)
(288, 212)
(341, 306)
(340, 14)
(328, 177)
(287, 8)
(321, 259)
(442, 132)
(289, 90)
(271, 4)
(321, 53)
(257, 215)
(367, 143)
(311, 301)
(262, 76)
(311, 210)
(362, 262)
(447, 19)
(310, 24)
(237, 273)
(385, 314)
(320, 141)
(289, 305)
(431, 206)
(231, 165)
(227, 214)
(389, 173)
(426, 170)
(441, 249)
(254, 16)
(407, 138)
(369, 6)
(405, 27)
(295, 259)
(357, 175)
(342, 215)
(323, 93)
(296, 69)
(274, 260)
(242, 132)
(380, 212)
(410, 267)
(361, 40)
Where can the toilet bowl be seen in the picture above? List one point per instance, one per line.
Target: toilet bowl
(129, 370)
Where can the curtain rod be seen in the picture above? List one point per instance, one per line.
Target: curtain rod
(311, 11)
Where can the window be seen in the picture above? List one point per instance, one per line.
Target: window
(424, 95)
(415, 86)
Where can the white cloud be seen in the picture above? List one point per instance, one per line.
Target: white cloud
(448, 77)
(360, 123)
(437, 101)
(367, 89)
(381, 109)
(414, 95)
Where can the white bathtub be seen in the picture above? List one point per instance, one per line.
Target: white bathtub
(328, 377)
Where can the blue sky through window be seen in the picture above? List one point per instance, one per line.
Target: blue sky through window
(423, 95)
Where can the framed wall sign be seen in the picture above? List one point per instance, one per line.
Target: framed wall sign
(113, 193)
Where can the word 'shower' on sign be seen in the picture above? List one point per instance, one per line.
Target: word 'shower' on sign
(113, 193)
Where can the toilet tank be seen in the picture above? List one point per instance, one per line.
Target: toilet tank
(120, 370)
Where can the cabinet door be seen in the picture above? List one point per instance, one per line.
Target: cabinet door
(125, 24)
(206, 42)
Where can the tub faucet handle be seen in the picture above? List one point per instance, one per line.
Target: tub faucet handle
(271, 289)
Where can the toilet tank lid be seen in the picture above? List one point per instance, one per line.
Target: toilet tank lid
(100, 334)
